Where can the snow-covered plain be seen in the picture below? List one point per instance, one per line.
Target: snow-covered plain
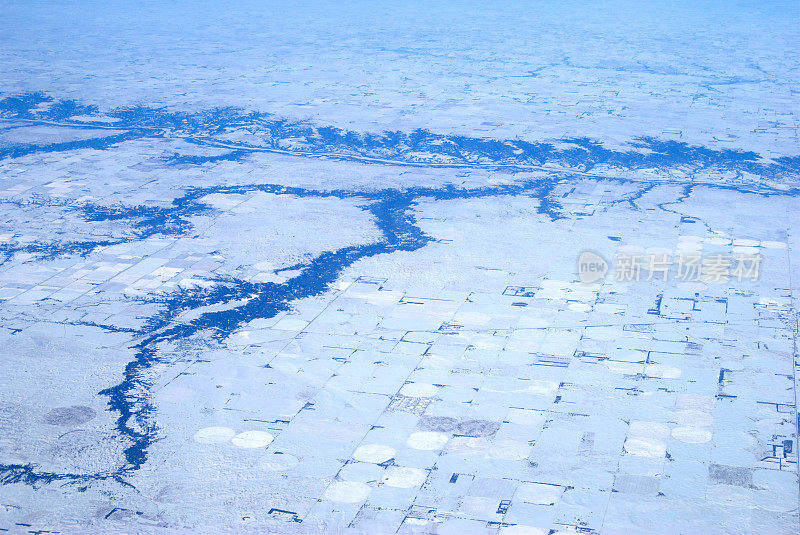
(313, 268)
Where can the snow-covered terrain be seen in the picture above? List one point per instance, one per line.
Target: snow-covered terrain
(315, 268)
